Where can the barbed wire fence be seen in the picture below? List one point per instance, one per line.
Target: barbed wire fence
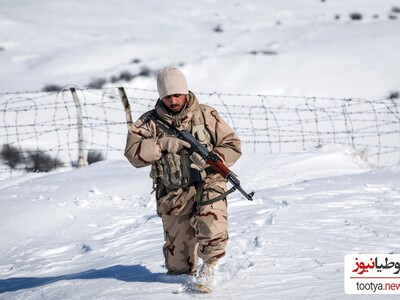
(68, 124)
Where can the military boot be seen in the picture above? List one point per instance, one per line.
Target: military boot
(204, 281)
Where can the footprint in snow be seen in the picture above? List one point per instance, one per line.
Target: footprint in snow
(269, 220)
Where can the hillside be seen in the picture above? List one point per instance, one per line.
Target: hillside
(304, 48)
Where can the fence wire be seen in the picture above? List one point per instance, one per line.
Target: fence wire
(47, 122)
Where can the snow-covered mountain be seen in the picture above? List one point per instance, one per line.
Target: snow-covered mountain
(304, 48)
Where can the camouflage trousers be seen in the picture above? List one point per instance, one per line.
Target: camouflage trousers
(196, 231)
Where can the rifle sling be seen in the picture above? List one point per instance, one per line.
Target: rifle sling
(199, 193)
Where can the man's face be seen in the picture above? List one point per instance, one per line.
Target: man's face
(174, 102)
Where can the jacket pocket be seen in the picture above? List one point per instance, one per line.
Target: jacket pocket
(177, 202)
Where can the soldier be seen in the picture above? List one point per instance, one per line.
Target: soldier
(191, 197)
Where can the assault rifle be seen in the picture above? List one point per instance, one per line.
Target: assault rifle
(210, 157)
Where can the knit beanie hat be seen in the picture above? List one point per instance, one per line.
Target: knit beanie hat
(171, 81)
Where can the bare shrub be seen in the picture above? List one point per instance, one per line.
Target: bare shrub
(52, 88)
(218, 29)
(11, 155)
(144, 71)
(97, 83)
(38, 161)
(95, 156)
(126, 75)
(394, 95)
(396, 9)
(356, 16)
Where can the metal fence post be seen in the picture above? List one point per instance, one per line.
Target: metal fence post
(81, 162)
(127, 106)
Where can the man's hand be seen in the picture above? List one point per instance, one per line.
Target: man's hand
(198, 162)
(172, 144)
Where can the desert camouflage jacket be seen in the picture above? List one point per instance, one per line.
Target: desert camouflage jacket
(141, 147)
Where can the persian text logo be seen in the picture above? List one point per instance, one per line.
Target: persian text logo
(372, 274)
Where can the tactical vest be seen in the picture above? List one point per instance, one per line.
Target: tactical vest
(173, 171)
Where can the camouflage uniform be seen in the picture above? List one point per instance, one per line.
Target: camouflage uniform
(191, 230)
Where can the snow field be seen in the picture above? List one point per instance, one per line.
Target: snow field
(93, 232)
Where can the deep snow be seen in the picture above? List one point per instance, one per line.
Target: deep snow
(92, 233)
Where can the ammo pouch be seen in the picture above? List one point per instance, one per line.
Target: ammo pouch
(175, 181)
(173, 171)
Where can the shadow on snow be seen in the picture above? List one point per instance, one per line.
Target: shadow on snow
(135, 273)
